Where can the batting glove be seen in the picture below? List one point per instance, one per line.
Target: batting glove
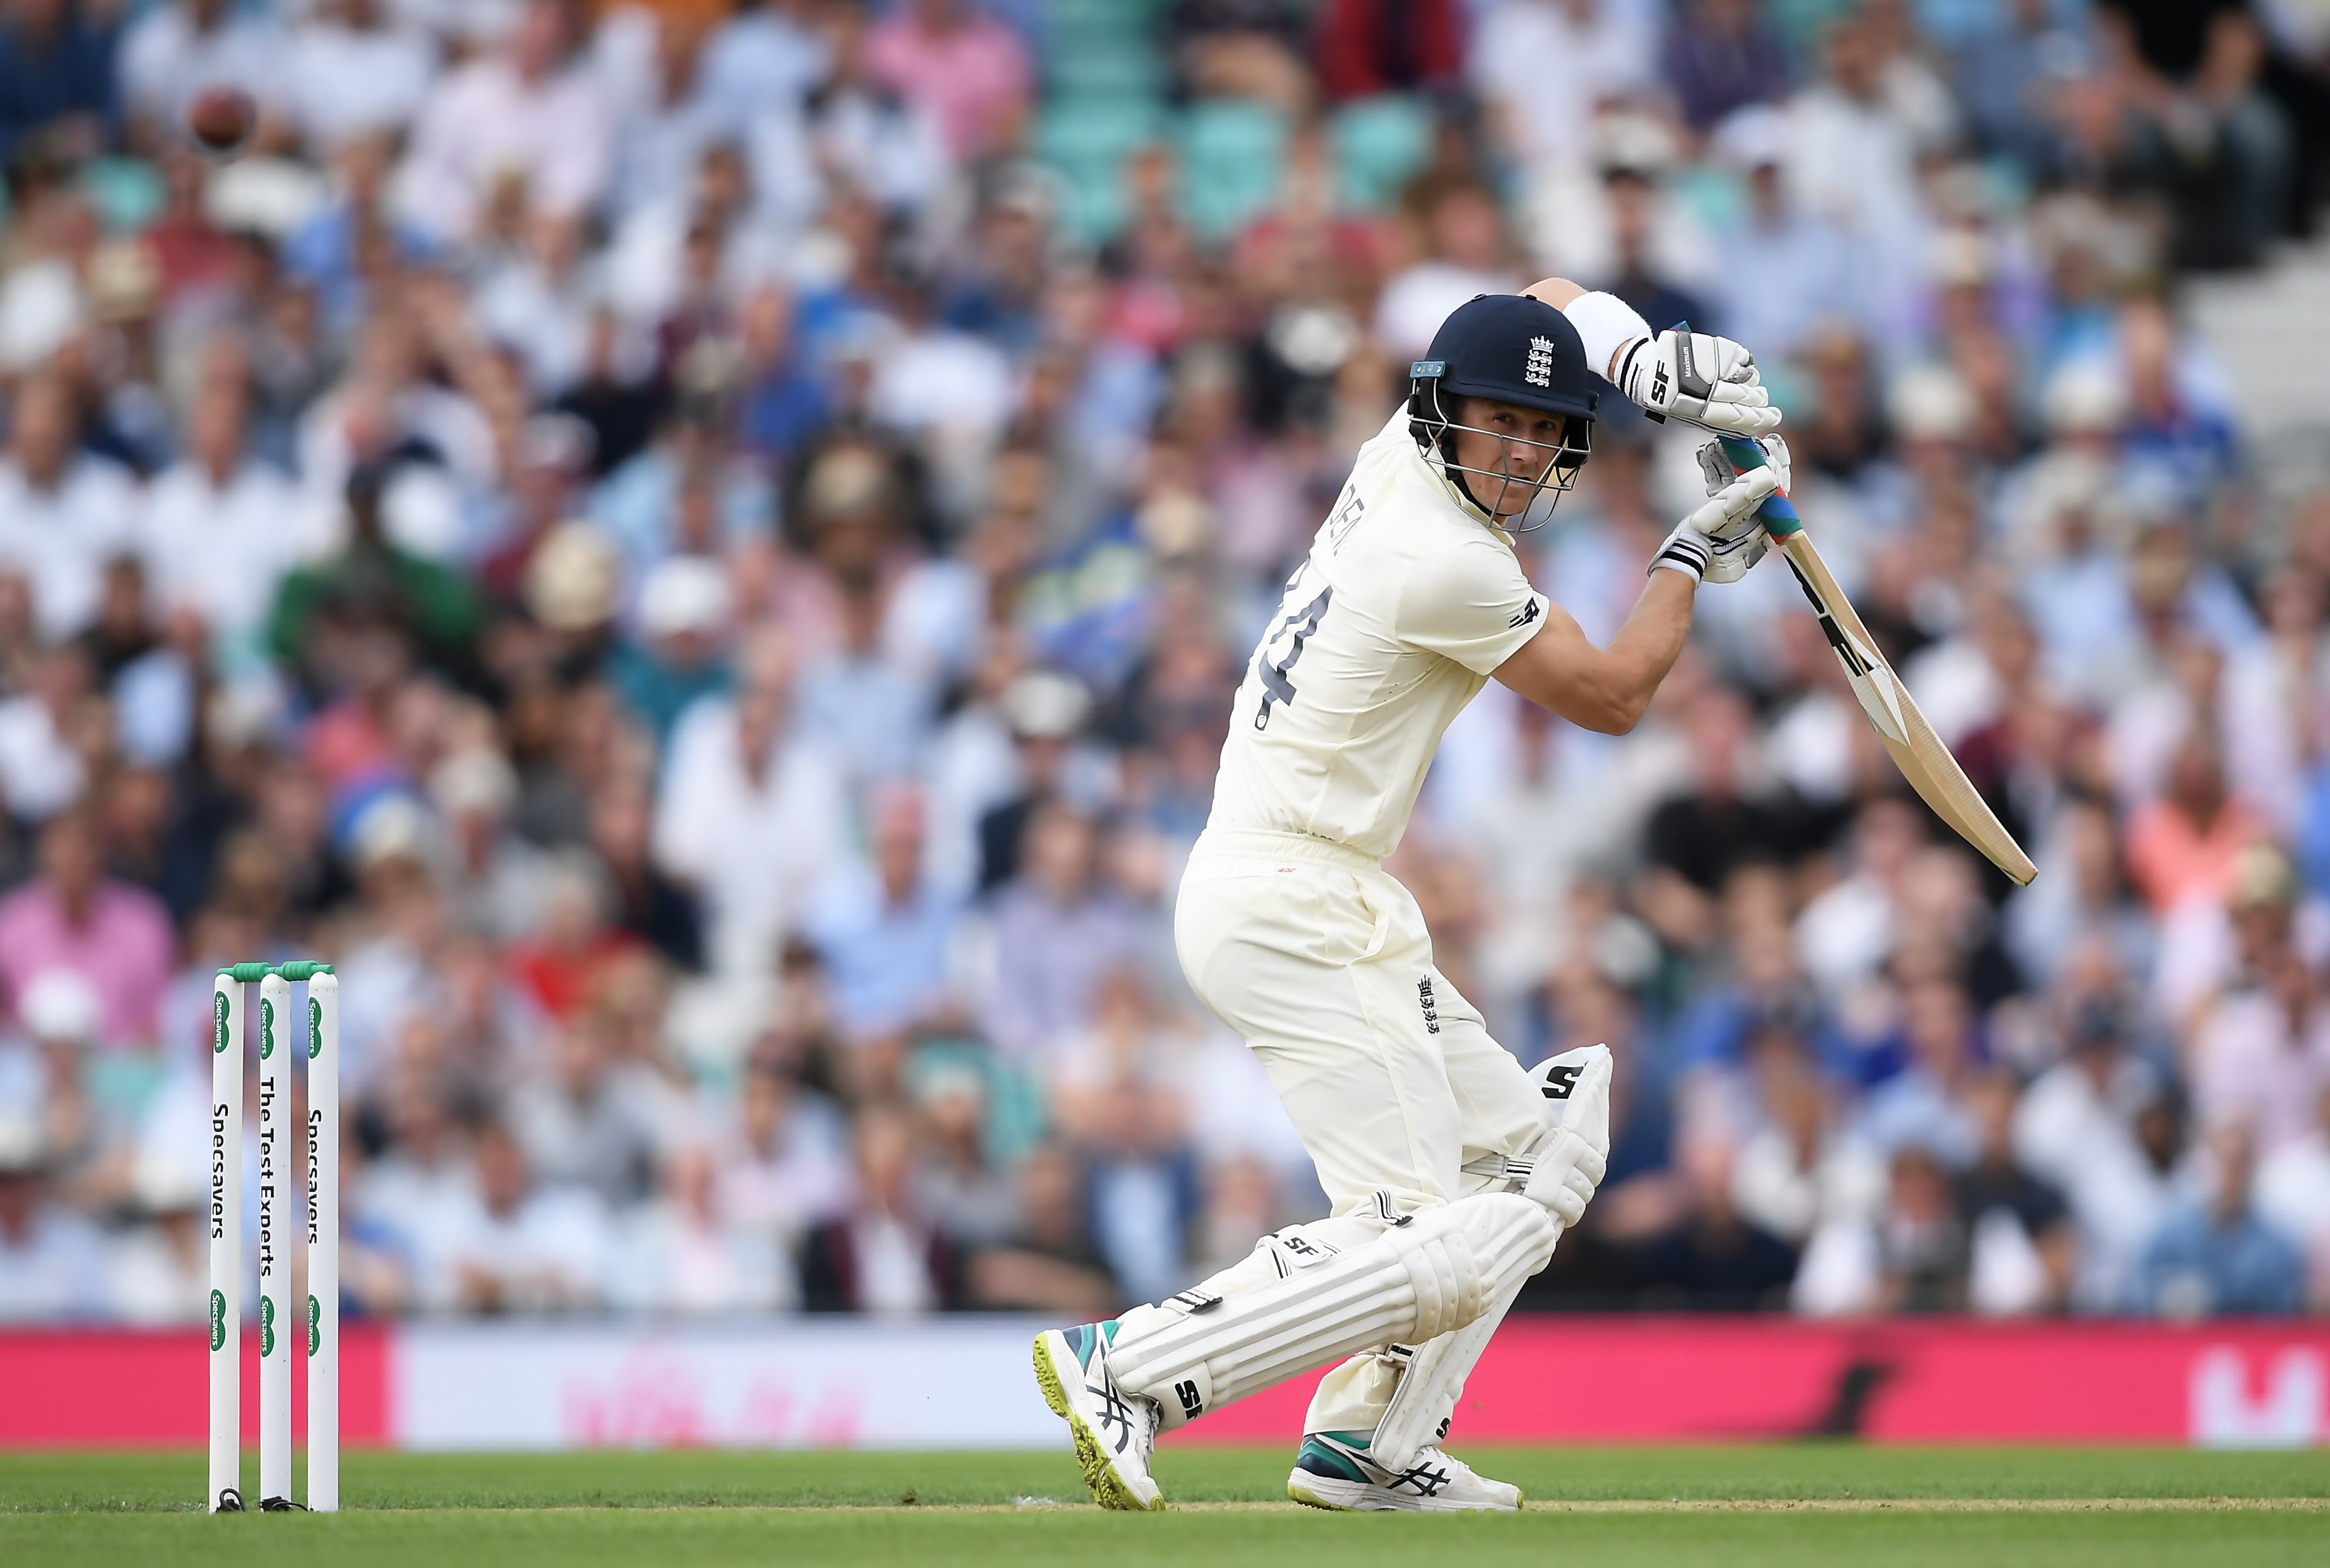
(1697, 378)
(1566, 1176)
(1720, 471)
(1723, 538)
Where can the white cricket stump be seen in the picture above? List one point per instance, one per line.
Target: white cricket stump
(225, 1493)
(323, 1323)
(276, 1033)
(290, 1159)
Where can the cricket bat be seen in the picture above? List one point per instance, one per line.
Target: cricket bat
(1909, 739)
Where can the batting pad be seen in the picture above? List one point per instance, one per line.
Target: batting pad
(1425, 1399)
(1575, 1096)
(1431, 1272)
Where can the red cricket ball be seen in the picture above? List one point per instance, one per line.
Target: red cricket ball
(220, 120)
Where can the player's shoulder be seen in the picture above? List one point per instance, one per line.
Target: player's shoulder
(1393, 505)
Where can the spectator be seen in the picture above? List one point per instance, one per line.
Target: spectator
(1368, 47)
(1784, 268)
(56, 77)
(2088, 910)
(561, 961)
(1719, 56)
(356, 70)
(2218, 1256)
(883, 929)
(1057, 933)
(1796, 1171)
(52, 1260)
(784, 402)
(528, 120)
(963, 1187)
(182, 47)
(2021, 1253)
(1713, 1260)
(115, 937)
(1640, 277)
(509, 1245)
(647, 903)
(882, 1256)
(891, 145)
(680, 496)
(2006, 73)
(1462, 236)
(1121, 1092)
(591, 1123)
(40, 772)
(683, 1254)
(1927, 1105)
(373, 583)
(63, 510)
(1923, 1247)
(1050, 1263)
(2196, 70)
(219, 527)
(158, 1270)
(2261, 1055)
(749, 815)
(2293, 1197)
(969, 71)
(62, 1018)
(767, 55)
(2097, 1127)
(788, 1169)
(1852, 160)
(1545, 66)
(2182, 846)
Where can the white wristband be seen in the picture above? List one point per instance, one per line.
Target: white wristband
(1685, 550)
(1606, 324)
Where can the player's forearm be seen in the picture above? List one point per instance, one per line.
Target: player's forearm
(1605, 689)
(1645, 648)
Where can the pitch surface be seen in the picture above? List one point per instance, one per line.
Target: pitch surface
(1801, 1507)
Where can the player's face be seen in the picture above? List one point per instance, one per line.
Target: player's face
(1499, 438)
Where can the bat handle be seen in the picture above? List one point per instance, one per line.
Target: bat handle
(1778, 516)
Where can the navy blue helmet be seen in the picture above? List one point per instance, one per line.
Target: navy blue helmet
(1516, 350)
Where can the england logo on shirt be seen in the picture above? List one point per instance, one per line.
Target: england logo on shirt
(1539, 371)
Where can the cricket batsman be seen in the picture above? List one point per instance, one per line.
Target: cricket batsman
(1452, 1170)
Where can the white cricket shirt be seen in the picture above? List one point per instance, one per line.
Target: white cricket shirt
(1403, 606)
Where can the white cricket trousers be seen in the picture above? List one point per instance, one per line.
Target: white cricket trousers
(1322, 963)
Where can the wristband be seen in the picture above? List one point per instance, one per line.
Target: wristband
(1686, 552)
(1606, 324)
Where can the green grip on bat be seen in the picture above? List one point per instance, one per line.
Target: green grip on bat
(1778, 518)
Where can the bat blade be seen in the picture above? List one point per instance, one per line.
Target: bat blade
(1909, 738)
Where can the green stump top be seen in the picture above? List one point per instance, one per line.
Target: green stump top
(294, 972)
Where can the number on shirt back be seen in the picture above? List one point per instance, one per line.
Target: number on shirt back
(1349, 509)
(1274, 659)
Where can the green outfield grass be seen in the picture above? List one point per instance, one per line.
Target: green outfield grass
(1795, 1506)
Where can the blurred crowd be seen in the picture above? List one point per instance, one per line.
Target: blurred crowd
(699, 552)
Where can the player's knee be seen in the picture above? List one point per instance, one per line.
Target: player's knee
(1461, 1257)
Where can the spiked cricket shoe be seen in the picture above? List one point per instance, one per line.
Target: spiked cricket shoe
(1114, 1430)
(1334, 1470)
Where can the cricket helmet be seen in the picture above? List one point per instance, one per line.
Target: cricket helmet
(1515, 349)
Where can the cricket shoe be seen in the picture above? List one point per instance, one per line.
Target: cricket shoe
(1115, 1431)
(1334, 1470)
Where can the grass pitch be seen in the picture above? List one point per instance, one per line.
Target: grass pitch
(1789, 1507)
